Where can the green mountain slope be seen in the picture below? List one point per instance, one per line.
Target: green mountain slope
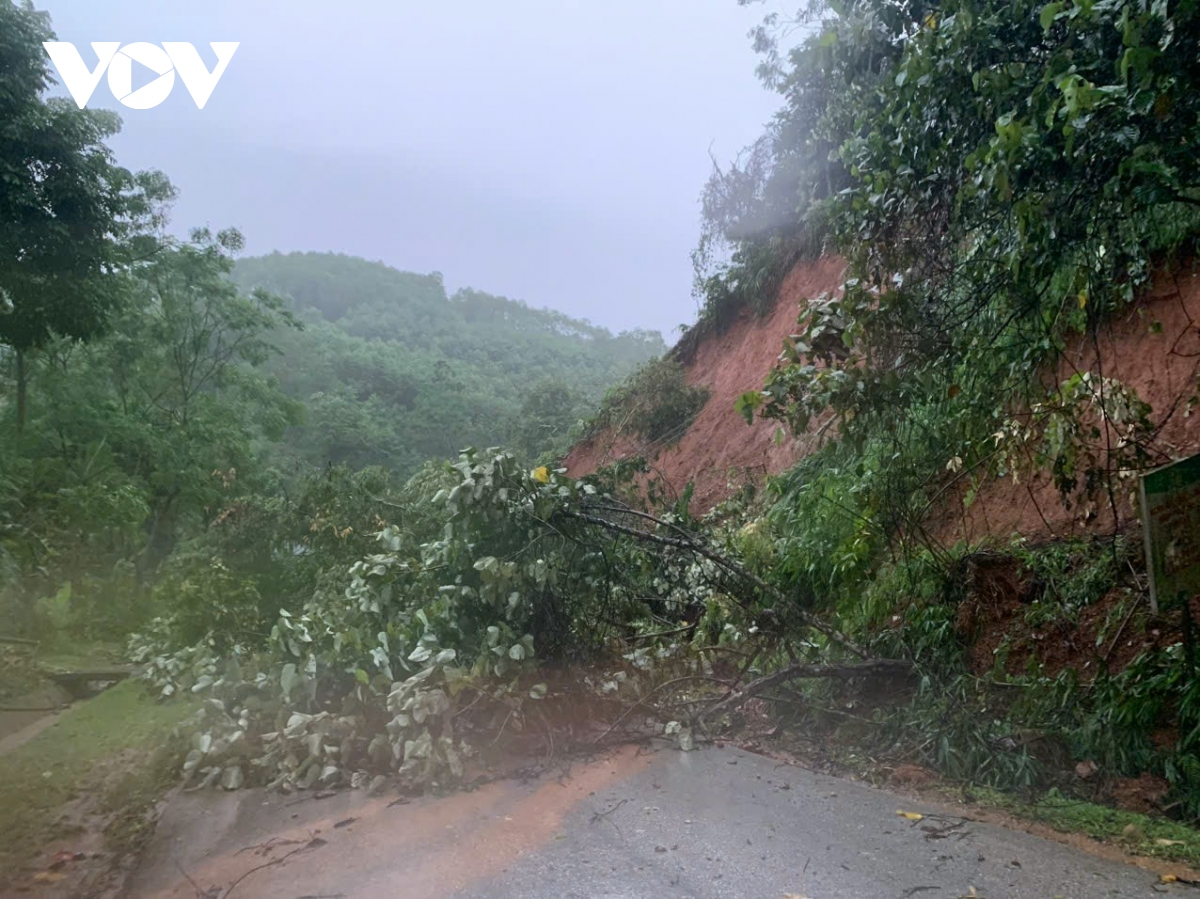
(393, 370)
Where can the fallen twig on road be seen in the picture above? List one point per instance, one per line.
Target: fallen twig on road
(603, 816)
(314, 843)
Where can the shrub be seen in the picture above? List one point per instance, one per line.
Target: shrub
(656, 403)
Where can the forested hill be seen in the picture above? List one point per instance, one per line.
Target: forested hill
(394, 371)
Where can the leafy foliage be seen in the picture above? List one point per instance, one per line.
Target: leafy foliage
(1013, 174)
(768, 209)
(74, 220)
(655, 403)
(487, 567)
(151, 424)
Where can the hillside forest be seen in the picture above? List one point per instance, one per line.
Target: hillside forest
(152, 385)
(326, 497)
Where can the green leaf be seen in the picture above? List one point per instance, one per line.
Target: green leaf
(1049, 13)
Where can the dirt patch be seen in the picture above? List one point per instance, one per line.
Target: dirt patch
(76, 797)
(28, 699)
(912, 777)
(1109, 635)
(720, 451)
(1143, 794)
(81, 859)
(18, 728)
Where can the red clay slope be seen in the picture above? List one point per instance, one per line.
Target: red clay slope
(720, 450)
(1153, 348)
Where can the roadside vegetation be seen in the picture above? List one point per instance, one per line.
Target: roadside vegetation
(1000, 179)
(105, 762)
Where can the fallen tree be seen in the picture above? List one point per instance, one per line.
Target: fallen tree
(423, 651)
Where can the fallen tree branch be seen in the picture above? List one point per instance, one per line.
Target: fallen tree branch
(690, 543)
(843, 671)
(663, 686)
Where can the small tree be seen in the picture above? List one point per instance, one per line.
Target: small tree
(183, 359)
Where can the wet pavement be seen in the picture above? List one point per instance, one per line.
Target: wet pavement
(634, 824)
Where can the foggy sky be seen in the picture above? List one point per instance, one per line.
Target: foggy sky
(547, 150)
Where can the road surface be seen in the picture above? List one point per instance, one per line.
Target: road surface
(635, 824)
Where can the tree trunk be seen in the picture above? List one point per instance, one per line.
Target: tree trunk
(21, 390)
(160, 539)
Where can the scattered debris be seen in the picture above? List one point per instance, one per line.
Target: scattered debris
(940, 833)
(1175, 878)
(314, 843)
(269, 846)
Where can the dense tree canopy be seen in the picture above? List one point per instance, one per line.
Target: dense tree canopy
(394, 371)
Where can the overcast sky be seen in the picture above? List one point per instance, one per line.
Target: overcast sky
(547, 150)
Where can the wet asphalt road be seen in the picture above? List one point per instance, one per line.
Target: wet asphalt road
(725, 823)
(710, 824)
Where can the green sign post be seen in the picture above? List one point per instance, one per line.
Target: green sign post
(1171, 526)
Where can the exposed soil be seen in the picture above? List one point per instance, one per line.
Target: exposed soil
(1143, 794)
(720, 451)
(18, 728)
(84, 860)
(999, 623)
(1153, 348)
(28, 699)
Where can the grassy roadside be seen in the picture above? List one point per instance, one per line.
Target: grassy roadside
(1132, 833)
(1135, 833)
(109, 752)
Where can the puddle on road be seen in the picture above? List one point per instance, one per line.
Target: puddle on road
(428, 849)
